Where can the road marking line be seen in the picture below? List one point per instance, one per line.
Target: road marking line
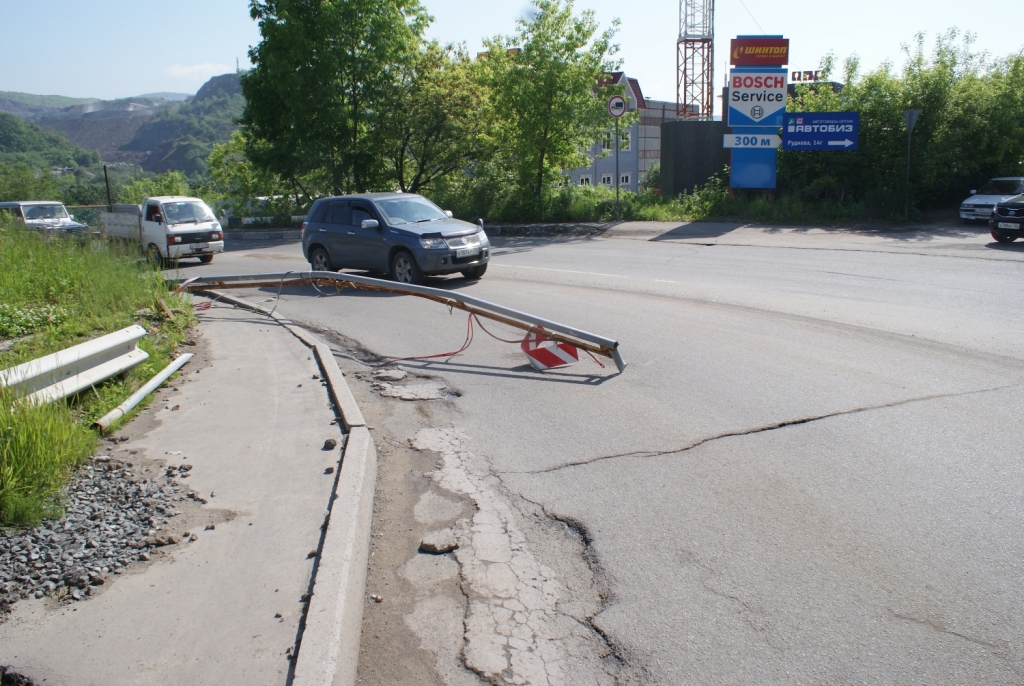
(665, 281)
(567, 271)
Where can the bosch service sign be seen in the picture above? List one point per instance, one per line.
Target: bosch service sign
(757, 97)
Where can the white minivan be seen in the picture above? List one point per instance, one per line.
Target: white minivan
(168, 228)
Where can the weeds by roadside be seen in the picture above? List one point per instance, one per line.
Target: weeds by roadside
(55, 293)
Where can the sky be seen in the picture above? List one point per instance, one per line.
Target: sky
(119, 48)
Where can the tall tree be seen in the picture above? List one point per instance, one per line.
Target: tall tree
(440, 125)
(545, 84)
(324, 70)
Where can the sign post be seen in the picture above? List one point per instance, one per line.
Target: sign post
(910, 117)
(616, 108)
(756, 106)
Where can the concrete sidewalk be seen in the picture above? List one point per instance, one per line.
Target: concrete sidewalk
(251, 419)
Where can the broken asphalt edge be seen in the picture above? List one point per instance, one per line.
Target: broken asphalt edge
(328, 654)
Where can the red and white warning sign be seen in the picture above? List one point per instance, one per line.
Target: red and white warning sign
(545, 353)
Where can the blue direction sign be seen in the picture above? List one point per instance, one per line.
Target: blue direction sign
(820, 130)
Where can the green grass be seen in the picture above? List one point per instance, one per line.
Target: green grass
(56, 293)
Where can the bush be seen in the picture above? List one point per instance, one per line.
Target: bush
(63, 293)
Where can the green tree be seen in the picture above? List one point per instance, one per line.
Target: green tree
(971, 125)
(324, 71)
(439, 124)
(21, 182)
(238, 181)
(168, 183)
(545, 84)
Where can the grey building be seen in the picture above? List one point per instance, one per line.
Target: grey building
(640, 146)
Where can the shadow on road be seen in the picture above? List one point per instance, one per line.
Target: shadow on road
(1006, 247)
(523, 371)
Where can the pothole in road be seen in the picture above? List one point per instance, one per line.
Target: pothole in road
(525, 622)
(400, 384)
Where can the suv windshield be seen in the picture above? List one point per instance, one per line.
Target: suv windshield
(1001, 187)
(411, 210)
(186, 212)
(45, 212)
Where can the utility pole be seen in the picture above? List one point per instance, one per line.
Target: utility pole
(106, 177)
(616, 169)
(910, 117)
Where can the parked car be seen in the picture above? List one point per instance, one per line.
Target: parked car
(46, 216)
(1007, 222)
(167, 228)
(401, 234)
(982, 201)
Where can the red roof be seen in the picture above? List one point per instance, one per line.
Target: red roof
(616, 78)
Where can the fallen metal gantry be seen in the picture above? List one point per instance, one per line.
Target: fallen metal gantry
(597, 345)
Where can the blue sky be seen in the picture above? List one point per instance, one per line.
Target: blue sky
(119, 48)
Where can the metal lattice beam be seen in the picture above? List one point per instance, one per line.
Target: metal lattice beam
(695, 49)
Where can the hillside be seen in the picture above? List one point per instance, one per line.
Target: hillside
(24, 142)
(24, 104)
(156, 132)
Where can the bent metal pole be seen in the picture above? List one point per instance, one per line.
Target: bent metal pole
(599, 345)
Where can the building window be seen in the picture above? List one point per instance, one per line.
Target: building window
(606, 144)
(624, 144)
(585, 180)
(624, 180)
(606, 179)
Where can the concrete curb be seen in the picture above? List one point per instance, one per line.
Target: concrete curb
(264, 235)
(328, 654)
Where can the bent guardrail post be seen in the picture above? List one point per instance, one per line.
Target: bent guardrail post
(599, 345)
(104, 422)
(76, 368)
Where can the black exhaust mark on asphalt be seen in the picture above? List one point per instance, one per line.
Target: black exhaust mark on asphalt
(763, 429)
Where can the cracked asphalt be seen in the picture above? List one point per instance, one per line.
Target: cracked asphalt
(810, 472)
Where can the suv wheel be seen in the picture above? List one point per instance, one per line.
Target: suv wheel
(1003, 237)
(320, 261)
(404, 268)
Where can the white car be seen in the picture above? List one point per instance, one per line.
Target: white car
(45, 216)
(982, 201)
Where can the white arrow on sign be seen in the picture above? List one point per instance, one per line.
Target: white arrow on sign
(751, 140)
(845, 143)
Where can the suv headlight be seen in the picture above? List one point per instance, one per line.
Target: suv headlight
(433, 243)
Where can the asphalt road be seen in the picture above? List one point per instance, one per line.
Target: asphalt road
(810, 472)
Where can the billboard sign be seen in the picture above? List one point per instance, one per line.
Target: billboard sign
(821, 131)
(748, 51)
(757, 97)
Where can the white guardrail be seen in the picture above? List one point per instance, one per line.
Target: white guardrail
(77, 368)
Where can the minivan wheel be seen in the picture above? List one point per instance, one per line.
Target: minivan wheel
(154, 256)
(320, 261)
(404, 268)
(475, 273)
(1003, 237)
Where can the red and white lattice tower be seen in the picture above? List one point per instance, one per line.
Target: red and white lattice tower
(695, 97)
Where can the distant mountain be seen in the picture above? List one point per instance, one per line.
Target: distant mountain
(154, 131)
(174, 97)
(24, 142)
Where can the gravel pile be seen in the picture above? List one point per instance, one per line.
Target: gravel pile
(114, 518)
